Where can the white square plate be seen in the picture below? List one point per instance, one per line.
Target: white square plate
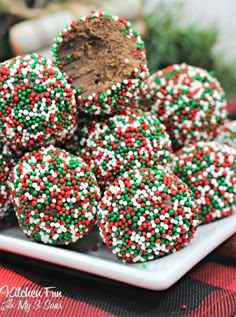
(157, 275)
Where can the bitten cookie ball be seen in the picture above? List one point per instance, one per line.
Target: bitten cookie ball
(37, 105)
(189, 101)
(130, 140)
(105, 60)
(8, 160)
(55, 196)
(209, 169)
(147, 214)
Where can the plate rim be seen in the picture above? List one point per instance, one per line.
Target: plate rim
(126, 273)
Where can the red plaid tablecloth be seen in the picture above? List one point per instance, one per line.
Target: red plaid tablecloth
(208, 290)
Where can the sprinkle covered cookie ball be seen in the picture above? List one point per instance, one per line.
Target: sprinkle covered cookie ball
(37, 105)
(55, 196)
(189, 101)
(147, 214)
(7, 161)
(105, 61)
(130, 140)
(209, 169)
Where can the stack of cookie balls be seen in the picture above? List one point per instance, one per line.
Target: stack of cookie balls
(89, 139)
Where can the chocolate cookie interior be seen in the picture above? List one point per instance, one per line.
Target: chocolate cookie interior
(97, 54)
